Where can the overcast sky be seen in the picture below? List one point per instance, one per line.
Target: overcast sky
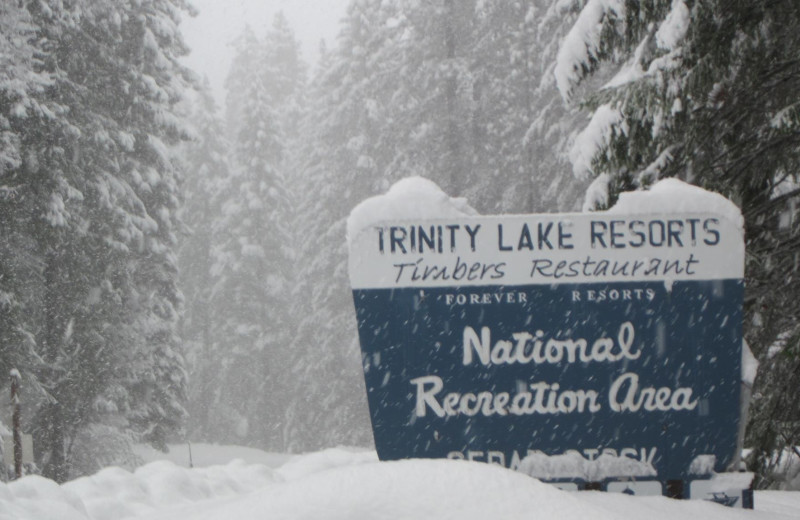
(211, 32)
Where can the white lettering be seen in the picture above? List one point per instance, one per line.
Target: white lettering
(528, 348)
(426, 398)
(625, 396)
(481, 345)
(543, 398)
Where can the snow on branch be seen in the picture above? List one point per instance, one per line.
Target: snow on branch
(581, 47)
(674, 27)
(597, 193)
(596, 136)
(653, 170)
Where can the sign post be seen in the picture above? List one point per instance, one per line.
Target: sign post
(581, 348)
(16, 381)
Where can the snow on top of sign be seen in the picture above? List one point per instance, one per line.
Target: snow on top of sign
(727, 481)
(703, 465)
(675, 196)
(411, 197)
(420, 198)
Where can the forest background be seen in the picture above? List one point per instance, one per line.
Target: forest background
(171, 270)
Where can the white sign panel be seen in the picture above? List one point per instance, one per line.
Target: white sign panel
(546, 250)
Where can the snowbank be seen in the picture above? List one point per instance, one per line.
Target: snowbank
(202, 455)
(414, 489)
(115, 493)
(412, 197)
(346, 484)
(305, 465)
(779, 502)
(36, 498)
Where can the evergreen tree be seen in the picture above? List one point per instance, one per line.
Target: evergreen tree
(159, 385)
(248, 54)
(206, 157)
(459, 92)
(98, 209)
(708, 92)
(285, 75)
(339, 159)
(522, 128)
(19, 84)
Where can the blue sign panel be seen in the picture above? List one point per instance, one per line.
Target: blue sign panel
(543, 341)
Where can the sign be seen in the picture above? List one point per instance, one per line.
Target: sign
(636, 488)
(731, 489)
(579, 347)
(8, 449)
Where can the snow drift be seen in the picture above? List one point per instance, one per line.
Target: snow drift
(346, 484)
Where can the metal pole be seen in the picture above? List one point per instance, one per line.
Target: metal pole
(16, 380)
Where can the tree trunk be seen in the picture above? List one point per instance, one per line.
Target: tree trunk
(15, 423)
(52, 419)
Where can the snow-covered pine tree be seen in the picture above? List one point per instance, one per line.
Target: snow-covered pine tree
(18, 80)
(345, 148)
(285, 82)
(152, 46)
(19, 84)
(436, 86)
(455, 91)
(286, 76)
(253, 259)
(709, 92)
(57, 222)
(101, 195)
(464, 90)
(206, 159)
(227, 379)
(522, 128)
(248, 54)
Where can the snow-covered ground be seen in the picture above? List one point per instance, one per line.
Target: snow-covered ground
(201, 455)
(340, 484)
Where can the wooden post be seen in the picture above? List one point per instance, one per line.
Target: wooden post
(675, 489)
(16, 380)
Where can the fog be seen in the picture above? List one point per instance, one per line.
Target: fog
(173, 263)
